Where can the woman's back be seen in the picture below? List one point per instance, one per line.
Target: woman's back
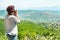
(11, 25)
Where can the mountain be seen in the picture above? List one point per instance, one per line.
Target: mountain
(42, 15)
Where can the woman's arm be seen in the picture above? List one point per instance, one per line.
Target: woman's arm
(16, 15)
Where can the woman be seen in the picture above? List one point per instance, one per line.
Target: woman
(11, 21)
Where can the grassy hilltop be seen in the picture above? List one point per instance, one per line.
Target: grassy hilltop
(33, 31)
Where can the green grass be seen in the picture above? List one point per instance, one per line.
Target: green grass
(32, 31)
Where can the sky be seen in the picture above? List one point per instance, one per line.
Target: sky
(30, 4)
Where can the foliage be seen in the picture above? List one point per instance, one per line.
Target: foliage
(32, 31)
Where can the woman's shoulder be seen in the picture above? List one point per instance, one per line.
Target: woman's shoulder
(12, 16)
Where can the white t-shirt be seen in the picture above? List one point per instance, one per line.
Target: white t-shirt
(11, 25)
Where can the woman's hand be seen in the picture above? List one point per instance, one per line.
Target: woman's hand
(16, 13)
